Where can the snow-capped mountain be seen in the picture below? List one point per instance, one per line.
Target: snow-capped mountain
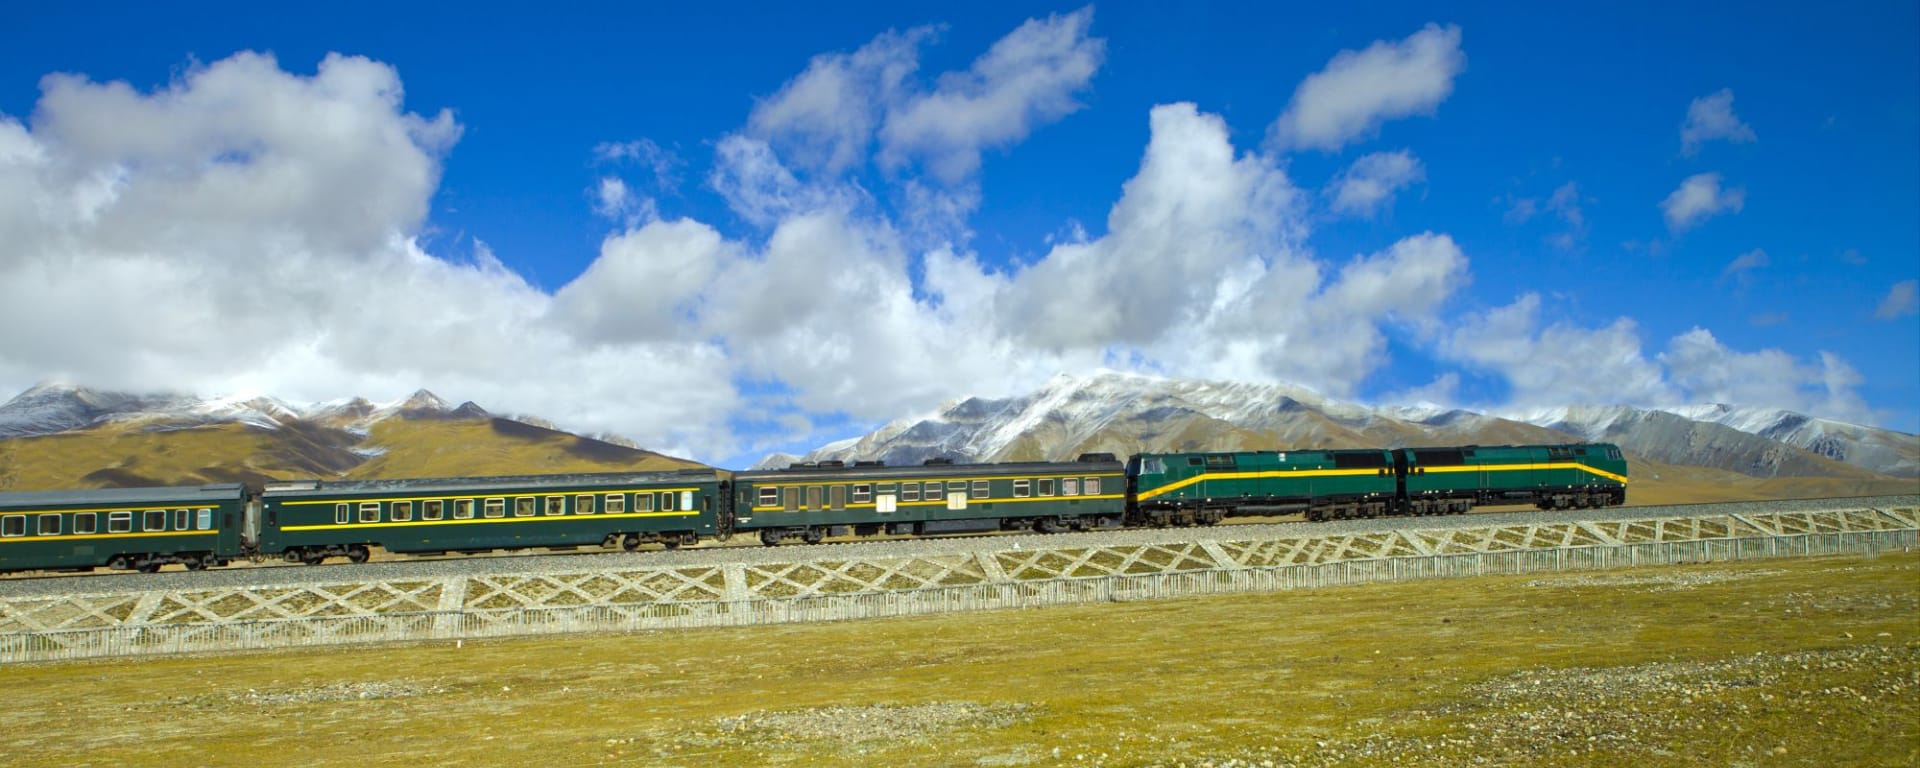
(54, 408)
(1127, 413)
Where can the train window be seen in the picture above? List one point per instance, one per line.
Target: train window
(85, 523)
(791, 500)
(495, 508)
(370, 512)
(1223, 461)
(119, 522)
(837, 497)
(13, 525)
(666, 501)
(463, 509)
(643, 502)
(523, 506)
(1022, 488)
(982, 489)
(180, 519)
(1559, 452)
(862, 494)
(1360, 460)
(956, 488)
(769, 496)
(616, 503)
(204, 521)
(910, 491)
(1091, 486)
(583, 504)
(432, 510)
(400, 511)
(885, 489)
(686, 499)
(49, 525)
(342, 513)
(1195, 461)
(1157, 467)
(1069, 486)
(556, 505)
(1046, 486)
(156, 521)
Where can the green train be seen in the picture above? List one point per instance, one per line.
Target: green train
(309, 522)
(1188, 488)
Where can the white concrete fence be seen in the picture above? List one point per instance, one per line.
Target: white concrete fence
(999, 594)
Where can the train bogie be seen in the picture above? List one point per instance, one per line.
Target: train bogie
(121, 528)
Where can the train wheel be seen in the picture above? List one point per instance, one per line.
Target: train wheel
(770, 538)
(631, 542)
(813, 535)
(147, 566)
(358, 553)
(1047, 525)
(312, 557)
(198, 563)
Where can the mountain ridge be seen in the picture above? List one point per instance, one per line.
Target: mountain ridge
(1127, 413)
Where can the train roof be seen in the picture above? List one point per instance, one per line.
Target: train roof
(191, 494)
(878, 471)
(505, 482)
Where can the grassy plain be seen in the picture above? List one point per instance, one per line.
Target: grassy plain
(1787, 662)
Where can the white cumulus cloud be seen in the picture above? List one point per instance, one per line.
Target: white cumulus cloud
(247, 229)
(1711, 117)
(1359, 90)
(1902, 299)
(1699, 198)
(1027, 79)
(1370, 183)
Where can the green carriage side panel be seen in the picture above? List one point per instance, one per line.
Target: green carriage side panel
(1495, 472)
(86, 529)
(455, 514)
(1261, 477)
(876, 494)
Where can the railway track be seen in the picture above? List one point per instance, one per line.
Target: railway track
(744, 551)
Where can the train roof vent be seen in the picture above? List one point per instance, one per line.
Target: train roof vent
(802, 465)
(935, 462)
(694, 470)
(295, 485)
(1091, 458)
(869, 463)
(833, 463)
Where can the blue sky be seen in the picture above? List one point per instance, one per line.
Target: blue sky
(849, 214)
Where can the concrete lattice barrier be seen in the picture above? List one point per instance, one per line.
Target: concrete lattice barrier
(827, 589)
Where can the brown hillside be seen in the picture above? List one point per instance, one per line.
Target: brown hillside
(130, 455)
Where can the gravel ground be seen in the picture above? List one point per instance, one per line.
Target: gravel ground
(741, 550)
(1613, 715)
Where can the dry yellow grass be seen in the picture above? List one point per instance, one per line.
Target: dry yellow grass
(1810, 662)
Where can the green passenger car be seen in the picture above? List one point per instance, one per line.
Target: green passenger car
(1547, 476)
(811, 502)
(1185, 488)
(311, 521)
(121, 528)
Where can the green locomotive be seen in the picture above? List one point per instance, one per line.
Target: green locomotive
(1188, 488)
